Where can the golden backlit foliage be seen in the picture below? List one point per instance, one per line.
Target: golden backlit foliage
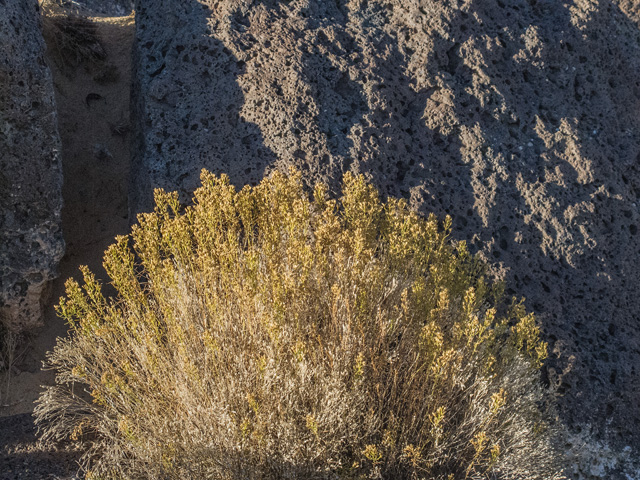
(262, 334)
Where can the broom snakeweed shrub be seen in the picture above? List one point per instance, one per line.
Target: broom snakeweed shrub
(264, 334)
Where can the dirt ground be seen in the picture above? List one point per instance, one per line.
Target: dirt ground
(93, 106)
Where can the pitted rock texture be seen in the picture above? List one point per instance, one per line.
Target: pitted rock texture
(31, 241)
(519, 118)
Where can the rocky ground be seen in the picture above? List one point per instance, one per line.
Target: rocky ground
(21, 457)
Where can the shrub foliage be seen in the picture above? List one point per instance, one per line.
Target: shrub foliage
(72, 38)
(264, 334)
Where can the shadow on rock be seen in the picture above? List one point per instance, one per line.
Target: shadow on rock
(544, 103)
(186, 105)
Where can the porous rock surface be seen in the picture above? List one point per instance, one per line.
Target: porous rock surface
(31, 241)
(519, 118)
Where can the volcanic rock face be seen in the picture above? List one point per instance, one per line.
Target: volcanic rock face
(519, 118)
(31, 241)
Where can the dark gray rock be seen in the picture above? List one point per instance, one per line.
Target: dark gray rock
(31, 241)
(519, 118)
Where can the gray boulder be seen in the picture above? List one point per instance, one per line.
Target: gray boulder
(31, 243)
(519, 118)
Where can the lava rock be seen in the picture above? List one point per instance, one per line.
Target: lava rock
(31, 242)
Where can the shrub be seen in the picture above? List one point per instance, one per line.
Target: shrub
(10, 354)
(5, 348)
(72, 38)
(261, 334)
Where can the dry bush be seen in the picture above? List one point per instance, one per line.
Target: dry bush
(10, 354)
(71, 36)
(7, 348)
(263, 335)
(3, 344)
